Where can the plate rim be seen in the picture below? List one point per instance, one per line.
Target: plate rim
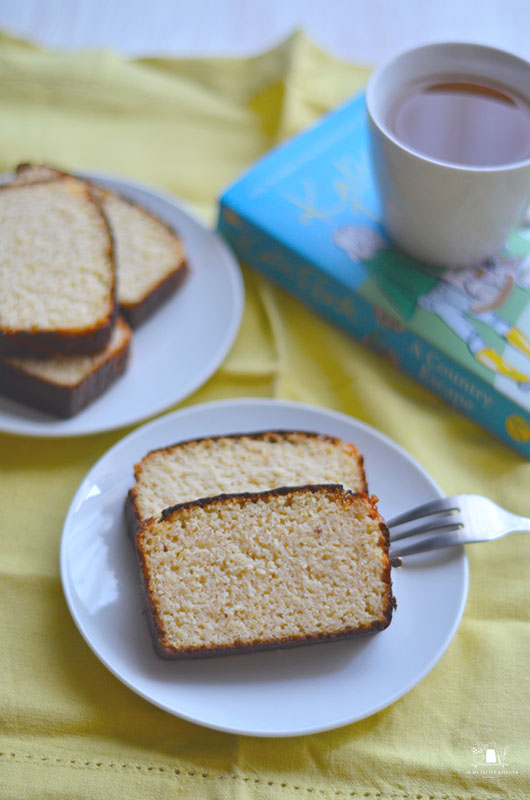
(209, 406)
(37, 429)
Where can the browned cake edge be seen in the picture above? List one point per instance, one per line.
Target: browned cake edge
(63, 401)
(47, 344)
(137, 313)
(166, 651)
(70, 342)
(132, 513)
(134, 313)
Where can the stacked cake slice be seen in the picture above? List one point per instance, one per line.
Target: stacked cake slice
(78, 267)
(254, 541)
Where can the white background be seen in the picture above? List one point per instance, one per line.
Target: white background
(364, 31)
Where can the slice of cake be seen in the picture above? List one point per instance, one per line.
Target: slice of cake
(255, 571)
(64, 385)
(57, 274)
(239, 463)
(150, 257)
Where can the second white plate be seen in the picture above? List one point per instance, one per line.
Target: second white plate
(277, 693)
(176, 350)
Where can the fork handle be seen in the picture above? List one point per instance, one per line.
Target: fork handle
(520, 525)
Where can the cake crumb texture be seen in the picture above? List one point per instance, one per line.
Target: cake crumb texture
(149, 255)
(242, 463)
(268, 569)
(56, 267)
(146, 250)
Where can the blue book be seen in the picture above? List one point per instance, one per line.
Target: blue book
(307, 217)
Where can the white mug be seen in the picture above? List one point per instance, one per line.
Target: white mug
(444, 213)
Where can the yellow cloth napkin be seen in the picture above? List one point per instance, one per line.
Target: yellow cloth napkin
(70, 729)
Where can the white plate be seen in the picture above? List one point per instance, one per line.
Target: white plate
(275, 693)
(176, 350)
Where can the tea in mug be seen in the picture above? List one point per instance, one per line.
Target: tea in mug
(463, 121)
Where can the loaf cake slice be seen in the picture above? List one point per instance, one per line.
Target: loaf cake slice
(150, 258)
(238, 463)
(57, 275)
(263, 570)
(149, 255)
(64, 385)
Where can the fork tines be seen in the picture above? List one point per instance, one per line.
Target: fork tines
(442, 515)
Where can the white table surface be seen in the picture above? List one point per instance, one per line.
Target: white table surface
(362, 31)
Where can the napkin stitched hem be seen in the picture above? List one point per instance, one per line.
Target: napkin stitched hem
(171, 772)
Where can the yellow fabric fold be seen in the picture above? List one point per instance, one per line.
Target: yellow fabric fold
(70, 729)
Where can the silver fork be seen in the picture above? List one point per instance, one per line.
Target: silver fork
(460, 519)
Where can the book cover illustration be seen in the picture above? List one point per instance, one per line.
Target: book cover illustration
(307, 216)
